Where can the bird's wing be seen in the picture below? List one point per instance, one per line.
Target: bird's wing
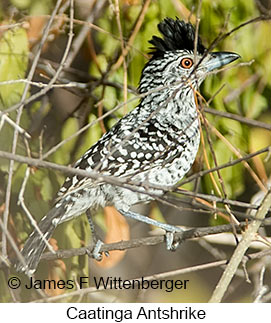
(126, 150)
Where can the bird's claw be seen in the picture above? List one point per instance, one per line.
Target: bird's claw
(96, 252)
(171, 244)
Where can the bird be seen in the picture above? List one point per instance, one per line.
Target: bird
(154, 145)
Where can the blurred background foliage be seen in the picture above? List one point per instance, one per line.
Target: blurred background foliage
(61, 112)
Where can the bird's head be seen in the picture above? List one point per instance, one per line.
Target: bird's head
(173, 59)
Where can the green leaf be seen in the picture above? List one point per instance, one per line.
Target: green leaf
(92, 135)
(62, 155)
(13, 65)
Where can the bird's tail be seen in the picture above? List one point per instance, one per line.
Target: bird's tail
(36, 242)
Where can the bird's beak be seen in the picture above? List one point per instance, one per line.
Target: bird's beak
(219, 59)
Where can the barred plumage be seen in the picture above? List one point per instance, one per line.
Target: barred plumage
(156, 143)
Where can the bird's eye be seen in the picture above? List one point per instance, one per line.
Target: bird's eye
(186, 62)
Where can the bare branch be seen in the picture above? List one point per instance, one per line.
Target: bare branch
(18, 118)
(241, 249)
(159, 276)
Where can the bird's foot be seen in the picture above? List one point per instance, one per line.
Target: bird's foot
(171, 244)
(96, 252)
(170, 229)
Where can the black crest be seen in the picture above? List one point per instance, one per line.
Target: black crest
(177, 35)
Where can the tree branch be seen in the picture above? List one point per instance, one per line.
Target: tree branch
(240, 250)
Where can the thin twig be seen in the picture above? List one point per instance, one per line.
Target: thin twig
(27, 212)
(18, 119)
(83, 32)
(125, 84)
(14, 125)
(238, 154)
(250, 122)
(229, 164)
(135, 30)
(122, 182)
(197, 31)
(158, 276)
(240, 250)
